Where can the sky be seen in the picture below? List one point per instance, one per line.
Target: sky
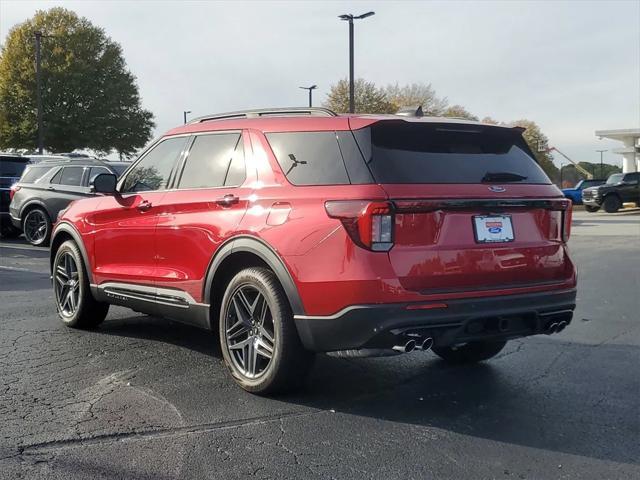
(571, 66)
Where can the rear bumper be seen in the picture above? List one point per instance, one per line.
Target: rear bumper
(462, 320)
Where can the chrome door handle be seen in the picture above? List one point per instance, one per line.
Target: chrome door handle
(228, 200)
(144, 206)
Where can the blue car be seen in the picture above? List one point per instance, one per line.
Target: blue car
(575, 193)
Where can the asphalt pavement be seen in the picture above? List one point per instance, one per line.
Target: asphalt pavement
(145, 397)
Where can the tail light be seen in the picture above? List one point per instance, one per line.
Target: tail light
(564, 207)
(12, 191)
(370, 224)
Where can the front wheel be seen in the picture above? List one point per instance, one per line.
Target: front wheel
(37, 227)
(611, 204)
(76, 306)
(258, 337)
(591, 209)
(469, 352)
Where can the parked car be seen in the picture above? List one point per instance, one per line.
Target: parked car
(619, 188)
(11, 168)
(298, 231)
(48, 187)
(575, 194)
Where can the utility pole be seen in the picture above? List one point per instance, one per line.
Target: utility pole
(38, 36)
(561, 167)
(349, 17)
(601, 164)
(311, 89)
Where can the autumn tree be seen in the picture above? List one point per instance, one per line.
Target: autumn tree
(415, 94)
(539, 145)
(458, 111)
(368, 98)
(90, 98)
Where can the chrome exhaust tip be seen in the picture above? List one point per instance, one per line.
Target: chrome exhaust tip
(426, 344)
(561, 326)
(406, 348)
(552, 328)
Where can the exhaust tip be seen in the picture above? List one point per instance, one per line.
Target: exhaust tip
(552, 328)
(406, 348)
(427, 344)
(561, 326)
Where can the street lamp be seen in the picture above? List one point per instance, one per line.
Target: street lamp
(349, 17)
(561, 167)
(184, 115)
(601, 165)
(311, 89)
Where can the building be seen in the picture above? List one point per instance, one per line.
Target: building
(630, 138)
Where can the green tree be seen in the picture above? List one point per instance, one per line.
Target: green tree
(368, 98)
(458, 111)
(539, 145)
(414, 95)
(90, 99)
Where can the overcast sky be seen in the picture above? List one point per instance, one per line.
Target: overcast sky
(573, 67)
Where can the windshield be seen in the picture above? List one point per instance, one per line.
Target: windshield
(403, 152)
(616, 178)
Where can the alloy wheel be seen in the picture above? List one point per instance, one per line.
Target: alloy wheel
(35, 227)
(67, 284)
(249, 329)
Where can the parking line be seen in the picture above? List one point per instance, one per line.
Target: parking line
(21, 247)
(18, 269)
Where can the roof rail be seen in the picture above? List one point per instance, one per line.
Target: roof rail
(268, 112)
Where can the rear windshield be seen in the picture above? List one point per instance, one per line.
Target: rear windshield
(403, 152)
(33, 174)
(11, 168)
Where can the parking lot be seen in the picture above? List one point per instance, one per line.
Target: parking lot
(144, 397)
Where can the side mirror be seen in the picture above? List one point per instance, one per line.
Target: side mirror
(105, 183)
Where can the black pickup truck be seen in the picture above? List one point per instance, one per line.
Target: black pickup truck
(619, 188)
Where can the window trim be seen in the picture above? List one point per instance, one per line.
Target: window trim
(183, 161)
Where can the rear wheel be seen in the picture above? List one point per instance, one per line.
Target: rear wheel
(258, 337)
(76, 306)
(591, 209)
(37, 227)
(611, 204)
(469, 352)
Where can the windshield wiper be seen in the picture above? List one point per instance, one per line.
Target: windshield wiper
(503, 177)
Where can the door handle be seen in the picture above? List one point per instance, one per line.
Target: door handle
(144, 205)
(228, 200)
(51, 188)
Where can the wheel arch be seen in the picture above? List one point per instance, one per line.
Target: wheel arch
(237, 254)
(30, 205)
(65, 231)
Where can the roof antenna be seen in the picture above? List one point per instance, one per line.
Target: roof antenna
(415, 111)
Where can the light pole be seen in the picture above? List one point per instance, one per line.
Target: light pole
(561, 167)
(184, 115)
(349, 17)
(311, 89)
(38, 36)
(601, 165)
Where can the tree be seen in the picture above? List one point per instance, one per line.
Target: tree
(459, 111)
(368, 98)
(90, 99)
(414, 95)
(539, 145)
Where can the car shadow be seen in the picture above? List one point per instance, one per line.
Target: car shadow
(539, 393)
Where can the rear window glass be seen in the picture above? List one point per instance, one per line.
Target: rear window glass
(309, 158)
(33, 174)
(11, 168)
(403, 152)
(71, 176)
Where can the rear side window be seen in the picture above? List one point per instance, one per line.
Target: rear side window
(404, 152)
(309, 158)
(154, 170)
(33, 174)
(214, 161)
(71, 176)
(11, 168)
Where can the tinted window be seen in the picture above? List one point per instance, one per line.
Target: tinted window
(309, 158)
(403, 152)
(95, 171)
(33, 174)
(214, 161)
(11, 168)
(119, 169)
(154, 170)
(632, 177)
(71, 176)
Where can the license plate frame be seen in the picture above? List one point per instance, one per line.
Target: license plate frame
(494, 228)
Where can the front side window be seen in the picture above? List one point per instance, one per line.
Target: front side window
(615, 178)
(71, 176)
(214, 161)
(632, 177)
(153, 171)
(95, 171)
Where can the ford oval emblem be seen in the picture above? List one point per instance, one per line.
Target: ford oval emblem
(497, 189)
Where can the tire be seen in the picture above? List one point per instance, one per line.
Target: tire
(36, 226)
(9, 231)
(611, 203)
(591, 209)
(258, 337)
(469, 352)
(74, 302)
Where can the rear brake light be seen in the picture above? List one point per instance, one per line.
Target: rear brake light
(370, 224)
(13, 190)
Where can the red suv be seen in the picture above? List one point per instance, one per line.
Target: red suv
(298, 231)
